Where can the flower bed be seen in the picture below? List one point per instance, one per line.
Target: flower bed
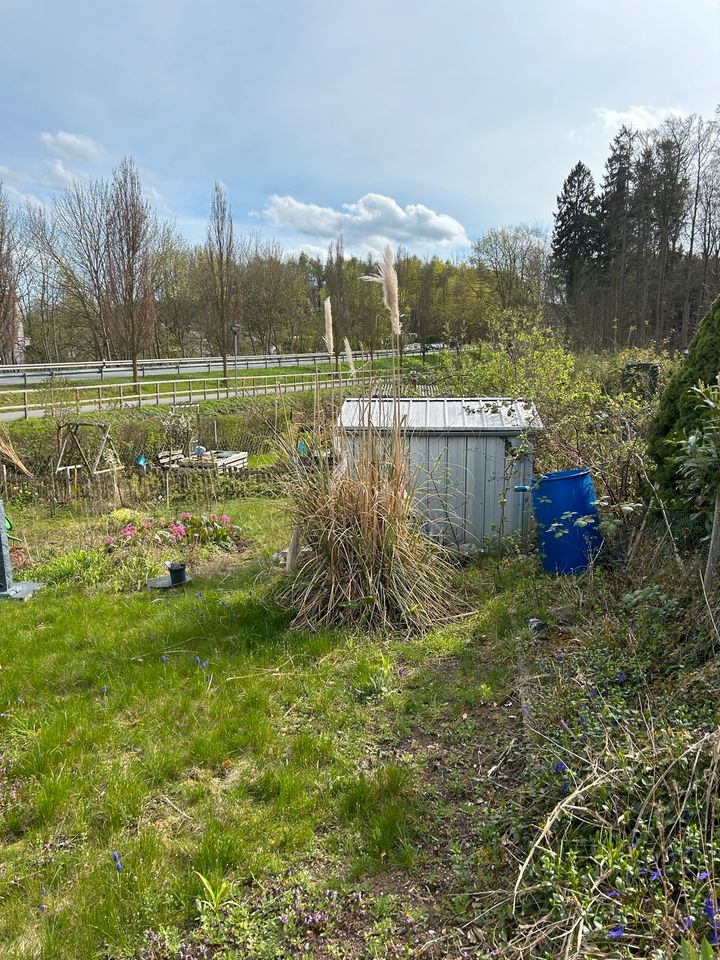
(186, 530)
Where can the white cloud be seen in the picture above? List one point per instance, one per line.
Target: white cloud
(368, 223)
(72, 146)
(638, 117)
(57, 176)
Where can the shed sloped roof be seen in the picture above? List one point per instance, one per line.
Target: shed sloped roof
(459, 415)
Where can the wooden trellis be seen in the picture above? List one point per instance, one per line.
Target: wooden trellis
(105, 458)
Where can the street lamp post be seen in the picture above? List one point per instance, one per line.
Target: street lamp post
(235, 335)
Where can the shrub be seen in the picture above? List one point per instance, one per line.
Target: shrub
(679, 412)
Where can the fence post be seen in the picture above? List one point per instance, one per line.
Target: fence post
(99, 398)
(157, 393)
(120, 386)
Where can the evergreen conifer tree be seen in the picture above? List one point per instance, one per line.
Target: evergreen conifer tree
(575, 240)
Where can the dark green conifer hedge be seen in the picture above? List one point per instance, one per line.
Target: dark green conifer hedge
(679, 413)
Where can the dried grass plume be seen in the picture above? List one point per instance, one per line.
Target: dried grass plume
(350, 359)
(387, 276)
(329, 338)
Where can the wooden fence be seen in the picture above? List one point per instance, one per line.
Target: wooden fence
(18, 404)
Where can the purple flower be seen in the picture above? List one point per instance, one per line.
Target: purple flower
(615, 932)
(709, 908)
(564, 788)
(118, 866)
(116, 856)
(204, 664)
(714, 937)
(559, 766)
(103, 689)
(703, 875)
(654, 875)
(163, 659)
(621, 678)
(42, 891)
(613, 893)
(687, 922)
(42, 908)
(197, 661)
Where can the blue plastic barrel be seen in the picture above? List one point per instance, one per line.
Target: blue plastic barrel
(566, 519)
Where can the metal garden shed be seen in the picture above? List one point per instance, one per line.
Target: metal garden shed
(467, 455)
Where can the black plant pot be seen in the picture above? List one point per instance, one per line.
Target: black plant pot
(177, 573)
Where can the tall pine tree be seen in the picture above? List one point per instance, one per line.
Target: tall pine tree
(575, 240)
(615, 228)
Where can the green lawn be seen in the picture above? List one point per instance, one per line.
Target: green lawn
(194, 735)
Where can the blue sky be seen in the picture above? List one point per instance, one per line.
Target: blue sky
(416, 122)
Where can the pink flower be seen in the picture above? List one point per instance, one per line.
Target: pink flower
(128, 531)
(176, 530)
(147, 523)
(224, 518)
(186, 516)
(109, 540)
(213, 516)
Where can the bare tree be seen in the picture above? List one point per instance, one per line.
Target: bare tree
(74, 239)
(130, 235)
(39, 292)
(221, 273)
(518, 260)
(9, 308)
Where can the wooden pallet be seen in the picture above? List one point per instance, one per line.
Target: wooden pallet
(167, 459)
(214, 460)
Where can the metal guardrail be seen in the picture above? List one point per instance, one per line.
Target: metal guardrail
(117, 396)
(105, 368)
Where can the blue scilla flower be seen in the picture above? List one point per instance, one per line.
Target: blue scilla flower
(115, 856)
(42, 891)
(103, 689)
(118, 866)
(197, 661)
(559, 766)
(703, 875)
(163, 659)
(42, 908)
(654, 875)
(204, 664)
(615, 932)
(613, 893)
(709, 908)
(687, 922)
(621, 678)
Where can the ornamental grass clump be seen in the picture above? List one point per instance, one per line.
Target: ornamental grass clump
(359, 555)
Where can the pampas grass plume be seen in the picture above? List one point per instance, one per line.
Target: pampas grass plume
(350, 359)
(387, 276)
(329, 338)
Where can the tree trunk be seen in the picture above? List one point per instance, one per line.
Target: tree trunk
(713, 560)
